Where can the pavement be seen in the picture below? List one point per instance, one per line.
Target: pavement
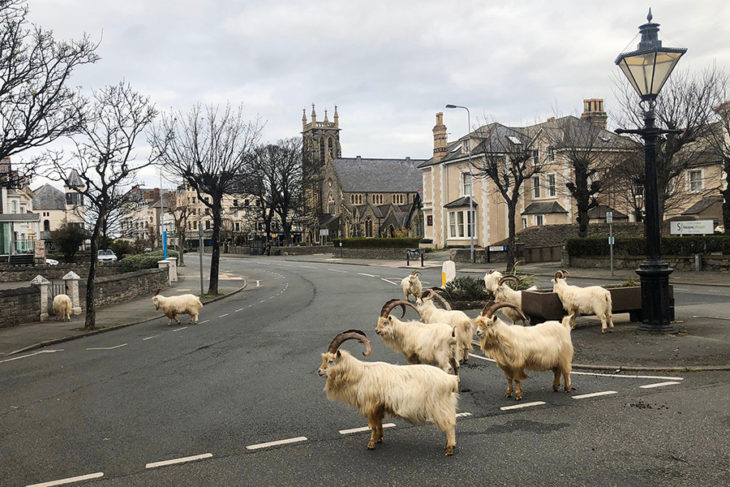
(702, 344)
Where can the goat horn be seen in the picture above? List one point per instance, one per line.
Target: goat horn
(559, 275)
(488, 312)
(440, 298)
(349, 335)
(487, 306)
(416, 273)
(388, 307)
(509, 278)
(158, 291)
(490, 271)
(564, 271)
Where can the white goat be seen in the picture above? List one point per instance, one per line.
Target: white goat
(432, 344)
(411, 286)
(590, 300)
(62, 307)
(491, 280)
(416, 393)
(505, 294)
(546, 346)
(178, 305)
(458, 320)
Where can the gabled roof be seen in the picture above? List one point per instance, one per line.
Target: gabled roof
(48, 197)
(599, 212)
(459, 203)
(378, 175)
(544, 208)
(702, 205)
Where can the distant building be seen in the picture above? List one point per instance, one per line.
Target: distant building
(58, 208)
(19, 226)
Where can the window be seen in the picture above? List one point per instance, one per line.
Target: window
(207, 224)
(355, 199)
(377, 199)
(536, 186)
(235, 202)
(524, 222)
(460, 224)
(539, 220)
(399, 199)
(551, 153)
(536, 157)
(695, 180)
(429, 220)
(238, 227)
(368, 228)
(246, 202)
(195, 225)
(551, 188)
(466, 184)
(14, 207)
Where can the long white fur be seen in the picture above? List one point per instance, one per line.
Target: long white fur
(546, 346)
(433, 343)
(590, 300)
(416, 393)
(458, 320)
(62, 307)
(178, 305)
(505, 294)
(411, 286)
(491, 280)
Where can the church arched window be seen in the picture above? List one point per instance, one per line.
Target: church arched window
(331, 204)
(330, 147)
(321, 150)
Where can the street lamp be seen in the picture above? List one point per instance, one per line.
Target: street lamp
(471, 182)
(647, 69)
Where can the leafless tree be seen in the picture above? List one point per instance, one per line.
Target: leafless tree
(36, 105)
(180, 210)
(718, 141)
(505, 157)
(209, 149)
(686, 103)
(104, 158)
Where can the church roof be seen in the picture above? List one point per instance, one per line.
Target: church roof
(358, 174)
(48, 198)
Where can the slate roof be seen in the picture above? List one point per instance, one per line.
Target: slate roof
(48, 197)
(702, 205)
(459, 203)
(600, 212)
(74, 180)
(360, 175)
(544, 208)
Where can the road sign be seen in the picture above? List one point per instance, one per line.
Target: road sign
(609, 217)
(692, 227)
(611, 241)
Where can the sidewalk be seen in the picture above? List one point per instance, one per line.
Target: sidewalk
(35, 335)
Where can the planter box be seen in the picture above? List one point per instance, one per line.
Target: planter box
(541, 306)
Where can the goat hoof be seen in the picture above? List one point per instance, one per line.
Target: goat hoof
(518, 398)
(449, 450)
(371, 446)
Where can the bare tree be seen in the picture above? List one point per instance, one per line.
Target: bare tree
(505, 157)
(104, 158)
(180, 211)
(36, 106)
(208, 148)
(718, 141)
(686, 103)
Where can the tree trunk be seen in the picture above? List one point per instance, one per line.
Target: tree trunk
(181, 249)
(511, 241)
(726, 205)
(216, 251)
(90, 320)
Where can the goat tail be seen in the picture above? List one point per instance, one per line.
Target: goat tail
(609, 306)
(200, 305)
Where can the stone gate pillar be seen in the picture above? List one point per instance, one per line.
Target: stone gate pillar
(72, 291)
(44, 285)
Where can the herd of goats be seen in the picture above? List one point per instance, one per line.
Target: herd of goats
(425, 390)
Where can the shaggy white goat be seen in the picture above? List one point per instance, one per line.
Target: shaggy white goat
(590, 300)
(62, 307)
(491, 280)
(458, 320)
(433, 344)
(411, 286)
(505, 294)
(178, 305)
(546, 346)
(416, 393)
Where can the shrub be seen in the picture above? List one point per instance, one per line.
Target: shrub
(143, 261)
(68, 239)
(122, 248)
(466, 288)
(636, 246)
(526, 280)
(380, 243)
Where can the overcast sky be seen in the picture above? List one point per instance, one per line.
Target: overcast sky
(389, 66)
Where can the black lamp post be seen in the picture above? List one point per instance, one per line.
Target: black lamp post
(647, 69)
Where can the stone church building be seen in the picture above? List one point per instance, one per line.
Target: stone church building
(356, 196)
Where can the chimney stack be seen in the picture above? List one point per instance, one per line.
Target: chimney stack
(439, 138)
(593, 112)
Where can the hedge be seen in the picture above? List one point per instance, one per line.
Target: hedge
(144, 261)
(380, 243)
(636, 246)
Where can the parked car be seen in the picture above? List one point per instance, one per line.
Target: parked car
(106, 256)
(148, 249)
(51, 262)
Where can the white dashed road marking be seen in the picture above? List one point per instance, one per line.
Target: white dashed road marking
(107, 348)
(659, 384)
(620, 376)
(239, 309)
(369, 275)
(363, 429)
(180, 329)
(463, 415)
(520, 406)
(276, 443)
(179, 460)
(31, 354)
(258, 283)
(336, 270)
(150, 338)
(204, 321)
(482, 358)
(594, 394)
(69, 480)
(389, 281)
(223, 316)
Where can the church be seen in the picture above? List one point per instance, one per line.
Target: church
(356, 196)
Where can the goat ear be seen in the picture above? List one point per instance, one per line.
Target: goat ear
(339, 354)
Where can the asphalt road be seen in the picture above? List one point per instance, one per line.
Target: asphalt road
(118, 403)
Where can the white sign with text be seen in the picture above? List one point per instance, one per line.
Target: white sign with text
(692, 227)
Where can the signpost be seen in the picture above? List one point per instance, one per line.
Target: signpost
(200, 247)
(609, 220)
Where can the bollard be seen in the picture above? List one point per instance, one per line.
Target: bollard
(422, 259)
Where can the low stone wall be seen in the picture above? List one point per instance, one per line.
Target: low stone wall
(125, 287)
(480, 256)
(709, 262)
(303, 250)
(27, 273)
(375, 253)
(20, 305)
(541, 254)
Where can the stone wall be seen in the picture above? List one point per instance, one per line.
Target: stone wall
(374, 253)
(709, 262)
(10, 273)
(480, 256)
(20, 305)
(125, 287)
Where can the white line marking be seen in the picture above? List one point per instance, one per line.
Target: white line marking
(239, 309)
(462, 415)
(659, 384)
(223, 316)
(258, 283)
(520, 406)
(275, 443)
(179, 460)
(335, 270)
(149, 338)
(619, 376)
(387, 280)
(204, 321)
(30, 355)
(69, 480)
(363, 429)
(180, 329)
(594, 394)
(484, 358)
(107, 348)
(369, 275)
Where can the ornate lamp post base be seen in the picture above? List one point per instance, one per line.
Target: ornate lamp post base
(657, 310)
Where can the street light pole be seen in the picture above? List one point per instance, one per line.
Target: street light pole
(472, 218)
(647, 69)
